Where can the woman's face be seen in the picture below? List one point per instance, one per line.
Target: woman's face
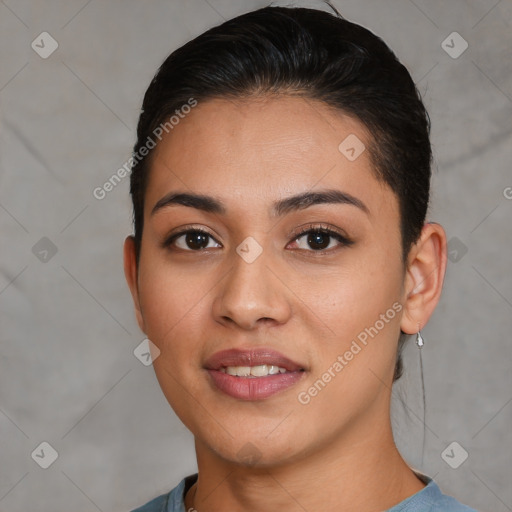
(254, 283)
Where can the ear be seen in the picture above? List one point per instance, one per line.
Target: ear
(130, 273)
(426, 267)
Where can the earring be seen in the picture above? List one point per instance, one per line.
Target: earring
(419, 339)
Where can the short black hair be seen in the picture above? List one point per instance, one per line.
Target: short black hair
(317, 55)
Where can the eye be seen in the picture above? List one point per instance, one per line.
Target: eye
(311, 239)
(320, 239)
(192, 240)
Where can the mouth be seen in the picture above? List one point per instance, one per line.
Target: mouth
(253, 358)
(252, 374)
(261, 370)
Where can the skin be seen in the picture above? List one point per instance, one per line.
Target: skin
(337, 452)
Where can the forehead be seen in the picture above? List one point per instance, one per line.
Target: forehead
(264, 147)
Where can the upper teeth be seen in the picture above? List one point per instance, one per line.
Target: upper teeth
(253, 371)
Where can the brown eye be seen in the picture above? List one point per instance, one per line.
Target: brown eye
(320, 240)
(192, 240)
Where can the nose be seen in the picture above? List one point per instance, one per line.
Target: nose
(252, 294)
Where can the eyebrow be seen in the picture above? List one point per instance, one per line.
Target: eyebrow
(302, 201)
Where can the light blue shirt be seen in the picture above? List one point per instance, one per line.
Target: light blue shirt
(428, 499)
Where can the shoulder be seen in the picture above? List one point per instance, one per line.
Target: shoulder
(431, 499)
(172, 501)
(158, 504)
(446, 503)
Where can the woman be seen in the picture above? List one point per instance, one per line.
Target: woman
(281, 258)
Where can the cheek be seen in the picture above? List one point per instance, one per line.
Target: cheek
(359, 301)
(353, 295)
(361, 305)
(172, 303)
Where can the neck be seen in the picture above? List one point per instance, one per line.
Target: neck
(361, 471)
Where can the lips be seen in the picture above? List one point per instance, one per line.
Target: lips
(251, 387)
(253, 357)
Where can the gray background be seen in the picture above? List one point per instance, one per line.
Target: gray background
(68, 375)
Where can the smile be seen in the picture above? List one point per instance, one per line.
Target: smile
(261, 370)
(252, 374)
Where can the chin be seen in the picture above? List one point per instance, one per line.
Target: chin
(256, 451)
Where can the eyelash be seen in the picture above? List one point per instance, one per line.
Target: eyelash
(310, 229)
